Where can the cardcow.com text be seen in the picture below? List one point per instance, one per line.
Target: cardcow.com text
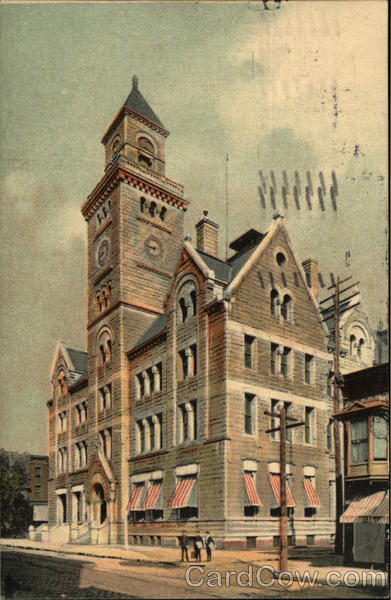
(265, 576)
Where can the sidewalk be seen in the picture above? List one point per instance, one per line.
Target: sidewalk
(319, 561)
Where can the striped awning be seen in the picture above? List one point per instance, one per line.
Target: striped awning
(373, 508)
(312, 497)
(152, 495)
(135, 498)
(182, 492)
(251, 491)
(275, 485)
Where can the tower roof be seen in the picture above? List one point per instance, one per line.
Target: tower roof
(136, 101)
(137, 106)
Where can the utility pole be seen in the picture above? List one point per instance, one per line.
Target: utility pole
(338, 307)
(283, 507)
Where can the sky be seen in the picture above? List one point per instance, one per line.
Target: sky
(300, 89)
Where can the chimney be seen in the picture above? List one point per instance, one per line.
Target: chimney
(311, 270)
(207, 235)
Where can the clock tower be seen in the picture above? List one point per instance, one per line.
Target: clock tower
(135, 234)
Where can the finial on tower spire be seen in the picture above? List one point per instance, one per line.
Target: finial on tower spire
(135, 82)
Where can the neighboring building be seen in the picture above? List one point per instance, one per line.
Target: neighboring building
(366, 419)
(38, 473)
(161, 425)
(357, 339)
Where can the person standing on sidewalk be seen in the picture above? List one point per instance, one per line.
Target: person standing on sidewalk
(198, 544)
(184, 542)
(209, 545)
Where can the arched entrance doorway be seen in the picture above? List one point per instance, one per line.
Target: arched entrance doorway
(99, 503)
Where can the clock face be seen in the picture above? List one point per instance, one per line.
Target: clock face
(103, 253)
(153, 246)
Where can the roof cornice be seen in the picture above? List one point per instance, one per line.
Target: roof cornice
(120, 173)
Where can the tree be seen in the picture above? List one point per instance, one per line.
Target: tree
(16, 511)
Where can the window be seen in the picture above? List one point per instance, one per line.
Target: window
(379, 438)
(360, 347)
(286, 308)
(145, 144)
(192, 362)
(248, 351)
(37, 491)
(105, 439)
(359, 440)
(105, 348)
(274, 421)
(62, 460)
(105, 400)
(249, 409)
(280, 258)
(274, 303)
(61, 383)
(187, 421)
(352, 345)
(187, 301)
(62, 422)
(288, 412)
(38, 472)
(184, 365)
(309, 424)
(308, 368)
(274, 359)
(285, 362)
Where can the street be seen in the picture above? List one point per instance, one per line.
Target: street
(39, 574)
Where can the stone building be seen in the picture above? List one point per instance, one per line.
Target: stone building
(160, 425)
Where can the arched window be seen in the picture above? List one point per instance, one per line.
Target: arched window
(61, 383)
(193, 297)
(280, 258)
(146, 145)
(183, 307)
(286, 308)
(143, 204)
(352, 345)
(360, 347)
(105, 348)
(115, 147)
(187, 301)
(274, 303)
(163, 212)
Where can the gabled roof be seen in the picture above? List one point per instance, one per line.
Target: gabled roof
(75, 360)
(136, 101)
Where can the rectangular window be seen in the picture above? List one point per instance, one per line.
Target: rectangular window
(359, 440)
(274, 421)
(193, 358)
(248, 352)
(285, 362)
(288, 412)
(37, 491)
(249, 406)
(379, 438)
(159, 367)
(308, 368)
(273, 359)
(151, 380)
(184, 364)
(38, 472)
(329, 386)
(142, 436)
(187, 414)
(309, 425)
(140, 380)
(160, 419)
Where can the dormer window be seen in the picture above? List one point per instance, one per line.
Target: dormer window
(187, 301)
(280, 258)
(274, 303)
(286, 308)
(61, 383)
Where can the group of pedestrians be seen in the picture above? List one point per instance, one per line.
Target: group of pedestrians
(200, 542)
